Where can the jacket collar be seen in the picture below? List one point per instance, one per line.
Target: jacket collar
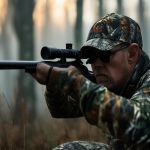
(131, 86)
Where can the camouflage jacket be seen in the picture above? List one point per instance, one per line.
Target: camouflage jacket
(125, 116)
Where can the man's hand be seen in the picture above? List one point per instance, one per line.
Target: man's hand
(62, 92)
(41, 73)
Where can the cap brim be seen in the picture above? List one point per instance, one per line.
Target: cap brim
(100, 44)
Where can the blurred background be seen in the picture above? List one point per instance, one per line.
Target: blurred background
(25, 27)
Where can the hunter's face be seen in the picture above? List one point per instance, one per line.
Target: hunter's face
(114, 73)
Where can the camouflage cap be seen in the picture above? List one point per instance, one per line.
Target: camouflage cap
(112, 30)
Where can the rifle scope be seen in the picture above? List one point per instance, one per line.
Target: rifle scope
(52, 53)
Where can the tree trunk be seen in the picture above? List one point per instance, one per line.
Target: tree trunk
(143, 23)
(101, 8)
(119, 6)
(23, 25)
(78, 24)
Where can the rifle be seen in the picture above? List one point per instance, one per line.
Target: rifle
(48, 53)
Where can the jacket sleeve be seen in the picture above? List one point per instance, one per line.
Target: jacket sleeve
(62, 93)
(126, 119)
(72, 95)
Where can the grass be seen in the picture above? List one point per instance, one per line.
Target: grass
(43, 133)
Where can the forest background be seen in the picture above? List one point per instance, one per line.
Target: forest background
(25, 27)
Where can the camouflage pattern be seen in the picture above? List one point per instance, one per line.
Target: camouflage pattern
(126, 118)
(82, 145)
(112, 30)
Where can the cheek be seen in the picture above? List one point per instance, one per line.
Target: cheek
(119, 72)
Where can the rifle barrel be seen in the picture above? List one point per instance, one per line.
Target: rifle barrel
(17, 64)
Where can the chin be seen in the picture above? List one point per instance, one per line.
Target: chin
(110, 87)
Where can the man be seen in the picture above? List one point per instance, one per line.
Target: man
(119, 101)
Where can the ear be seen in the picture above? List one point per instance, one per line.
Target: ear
(133, 53)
